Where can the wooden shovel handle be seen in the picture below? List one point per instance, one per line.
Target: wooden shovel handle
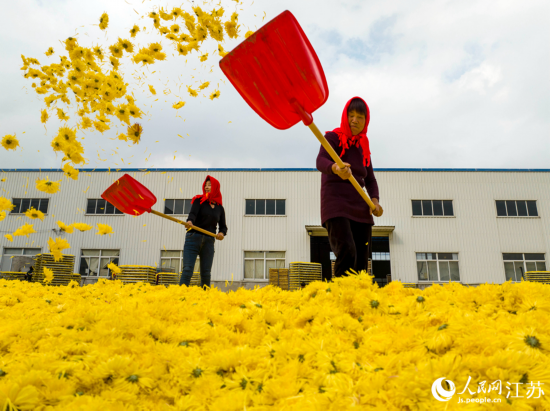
(340, 163)
(182, 222)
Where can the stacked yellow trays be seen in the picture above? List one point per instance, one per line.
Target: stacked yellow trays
(136, 274)
(62, 269)
(166, 278)
(196, 279)
(279, 277)
(11, 275)
(301, 274)
(538, 276)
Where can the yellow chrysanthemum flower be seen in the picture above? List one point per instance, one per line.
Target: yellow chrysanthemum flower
(215, 94)
(57, 246)
(248, 34)
(43, 115)
(134, 30)
(9, 237)
(204, 57)
(134, 133)
(152, 90)
(103, 21)
(114, 62)
(174, 28)
(182, 50)
(221, 51)
(113, 267)
(192, 93)
(103, 229)
(47, 186)
(70, 171)
(65, 228)
(49, 52)
(33, 214)
(48, 275)
(82, 226)
(10, 142)
(86, 123)
(5, 204)
(61, 115)
(126, 45)
(178, 105)
(204, 85)
(2, 215)
(25, 230)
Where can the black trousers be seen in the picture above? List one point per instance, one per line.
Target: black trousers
(350, 242)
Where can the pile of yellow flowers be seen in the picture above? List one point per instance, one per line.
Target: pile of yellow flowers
(329, 346)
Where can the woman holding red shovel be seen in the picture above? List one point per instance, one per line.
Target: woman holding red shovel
(344, 213)
(206, 213)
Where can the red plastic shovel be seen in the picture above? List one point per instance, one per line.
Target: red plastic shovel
(131, 197)
(279, 75)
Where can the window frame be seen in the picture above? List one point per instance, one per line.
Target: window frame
(22, 213)
(265, 259)
(117, 212)
(437, 261)
(524, 262)
(100, 257)
(196, 268)
(265, 207)
(517, 209)
(22, 253)
(432, 208)
(173, 206)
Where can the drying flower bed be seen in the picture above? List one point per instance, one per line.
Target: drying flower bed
(327, 347)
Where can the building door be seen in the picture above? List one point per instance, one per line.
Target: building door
(381, 259)
(320, 253)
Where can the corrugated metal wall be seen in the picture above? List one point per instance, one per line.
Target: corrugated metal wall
(475, 233)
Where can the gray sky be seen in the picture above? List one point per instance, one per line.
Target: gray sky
(453, 84)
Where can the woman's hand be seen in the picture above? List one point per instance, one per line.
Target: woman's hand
(378, 208)
(219, 236)
(344, 173)
(188, 224)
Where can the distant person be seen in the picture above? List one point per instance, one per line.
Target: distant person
(344, 213)
(28, 274)
(207, 212)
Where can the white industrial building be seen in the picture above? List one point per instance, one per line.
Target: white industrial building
(468, 225)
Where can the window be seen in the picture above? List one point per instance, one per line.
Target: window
(437, 266)
(94, 262)
(258, 263)
(516, 208)
(23, 204)
(265, 207)
(179, 206)
(381, 256)
(12, 252)
(516, 264)
(101, 206)
(432, 208)
(174, 260)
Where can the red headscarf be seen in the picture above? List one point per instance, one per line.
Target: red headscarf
(347, 140)
(213, 195)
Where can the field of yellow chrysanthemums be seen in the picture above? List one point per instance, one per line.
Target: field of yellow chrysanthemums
(330, 346)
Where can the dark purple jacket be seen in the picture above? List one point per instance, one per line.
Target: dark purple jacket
(338, 197)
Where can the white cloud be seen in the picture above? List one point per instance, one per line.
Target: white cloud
(449, 84)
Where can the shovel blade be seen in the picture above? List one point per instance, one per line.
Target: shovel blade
(277, 72)
(130, 196)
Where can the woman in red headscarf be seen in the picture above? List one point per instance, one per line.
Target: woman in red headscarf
(344, 213)
(207, 212)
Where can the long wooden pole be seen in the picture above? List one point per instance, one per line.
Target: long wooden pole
(340, 163)
(182, 222)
